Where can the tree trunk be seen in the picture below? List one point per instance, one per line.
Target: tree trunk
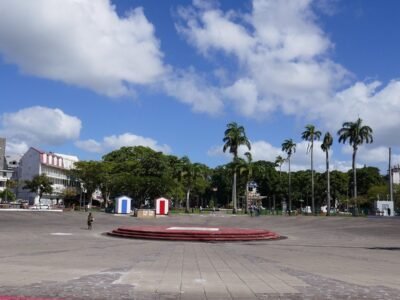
(246, 197)
(40, 197)
(107, 199)
(273, 199)
(187, 201)
(234, 194)
(355, 181)
(290, 191)
(328, 191)
(312, 179)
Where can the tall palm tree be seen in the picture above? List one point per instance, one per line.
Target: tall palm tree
(289, 147)
(325, 146)
(279, 161)
(356, 134)
(235, 136)
(311, 135)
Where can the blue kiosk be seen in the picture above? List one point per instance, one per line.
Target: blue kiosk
(123, 205)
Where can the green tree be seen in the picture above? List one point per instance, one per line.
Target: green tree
(222, 183)
(339, 182)
(141, 173)
(177, 191)
(39, 184)
(356, 134)
(246, 167)
(202, 184)
(377, 192)
(301, 185)
(88, 173)
(106, 180)
(325, 146)
(190, 175)
(235, 136)
(279, 161)
(311, 135)
(368, 177)
(7, 195)
(268, 181)
(69, 196)
(289, 147)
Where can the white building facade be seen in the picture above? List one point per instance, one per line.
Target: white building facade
(6, 171)
(54, 165)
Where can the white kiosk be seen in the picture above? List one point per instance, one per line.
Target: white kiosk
(384, 208)
(162, 206)
(123, 205)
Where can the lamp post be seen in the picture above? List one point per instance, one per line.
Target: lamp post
(80, 197)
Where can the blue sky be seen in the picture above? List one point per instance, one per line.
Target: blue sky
(87, 77)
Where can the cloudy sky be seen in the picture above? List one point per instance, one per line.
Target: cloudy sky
(86, 77)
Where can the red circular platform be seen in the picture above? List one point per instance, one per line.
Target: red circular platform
(193, 233)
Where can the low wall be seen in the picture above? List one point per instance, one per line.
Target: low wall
(145, 213)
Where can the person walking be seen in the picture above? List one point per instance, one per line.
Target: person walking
(90, 220)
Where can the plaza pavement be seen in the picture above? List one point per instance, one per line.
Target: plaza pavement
(54, 255)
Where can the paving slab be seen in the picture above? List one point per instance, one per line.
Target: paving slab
(322, 258)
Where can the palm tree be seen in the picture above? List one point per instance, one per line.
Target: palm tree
(289, 147)
(356, 134)
(311, 135)
(235, 136)
(279, 161)
(189, 174)
(325, 146)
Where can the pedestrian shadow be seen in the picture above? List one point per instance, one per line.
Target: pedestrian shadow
(385, 248)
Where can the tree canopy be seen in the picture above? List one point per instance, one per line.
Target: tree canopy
(39, 184)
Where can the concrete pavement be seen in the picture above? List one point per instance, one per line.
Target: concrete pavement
(53, 255)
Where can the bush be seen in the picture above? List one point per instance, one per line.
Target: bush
(7, 196)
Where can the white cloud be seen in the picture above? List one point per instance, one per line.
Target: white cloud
(261, 150)
(282, 54)
(282, 62)
(80, 42)
(341, 165)
(244, 95)
(217, 151)
(377, 105)
(114, 142)
(90, 146)
(38, 125)
(191, 89)
(370, 155)
(16, 147)
(211, 28)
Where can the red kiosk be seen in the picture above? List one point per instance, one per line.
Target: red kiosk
(162, 206)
